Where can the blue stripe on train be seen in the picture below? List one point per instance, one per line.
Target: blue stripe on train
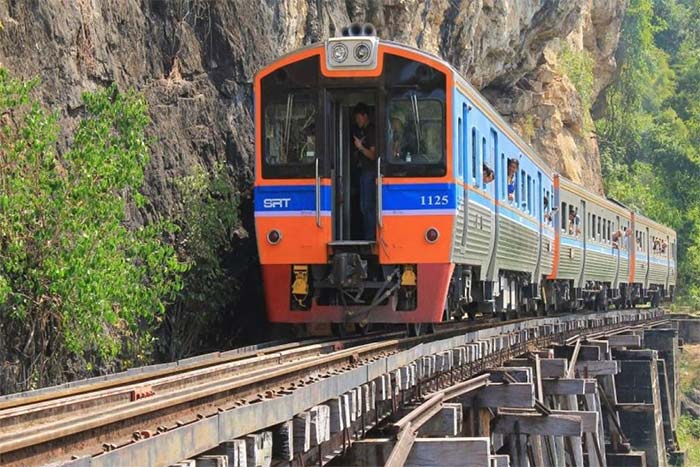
(291, 200)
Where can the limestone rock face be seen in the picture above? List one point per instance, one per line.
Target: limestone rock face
(194, 60)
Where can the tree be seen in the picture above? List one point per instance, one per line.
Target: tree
(77, 287)
(649, 135)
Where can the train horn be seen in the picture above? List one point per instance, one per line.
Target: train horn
(369, 30)
(355, 29)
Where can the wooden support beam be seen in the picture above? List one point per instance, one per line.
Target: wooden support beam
(586, 352)
(573, 359)
(625, 340)
(589, 419)
(597, 368)
(520, 374)
(551, 367)
(563, 387)
(320, 424)
(603, 345)
(501, 395)
(536, 424)
(425, 452)
(446, 423)
(628, 459)
(500, 460)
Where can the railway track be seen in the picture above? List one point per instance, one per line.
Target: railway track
(99, 416)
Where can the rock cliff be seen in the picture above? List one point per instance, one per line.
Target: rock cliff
(194, 61)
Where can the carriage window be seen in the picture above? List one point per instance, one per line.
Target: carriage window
(564, 214)
(460, 144)
(523, 191)
(290, 132)
(475, 149)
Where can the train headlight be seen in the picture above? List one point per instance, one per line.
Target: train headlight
(432, 235)
(362, 52)
(274, 236)
(339, 53)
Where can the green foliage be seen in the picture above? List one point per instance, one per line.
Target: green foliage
(688, 433)
(649, 136)
(578, 66)
(72, 275)
(208, 230)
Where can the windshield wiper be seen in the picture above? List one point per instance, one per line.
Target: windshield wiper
(416, 120)
(287, 126)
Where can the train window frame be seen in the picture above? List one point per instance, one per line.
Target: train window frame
(284, 170)
(564, 218)
(465, 139)
(523, 191)
(504, 177)
(483, 159)
(475, 156)
(419, 165)
(460, 144)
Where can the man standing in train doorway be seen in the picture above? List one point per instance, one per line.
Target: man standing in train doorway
(365, 156)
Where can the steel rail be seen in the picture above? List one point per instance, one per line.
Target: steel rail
(62, 428)
(146, 373)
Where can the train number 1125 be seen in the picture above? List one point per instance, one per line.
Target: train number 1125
(434, 200)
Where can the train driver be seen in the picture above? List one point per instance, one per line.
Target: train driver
(365, 156)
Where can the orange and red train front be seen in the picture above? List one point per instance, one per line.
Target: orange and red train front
(315, 267)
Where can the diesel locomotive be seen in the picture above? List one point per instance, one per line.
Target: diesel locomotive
(466, 217)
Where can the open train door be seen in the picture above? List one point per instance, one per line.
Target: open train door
(346, 172)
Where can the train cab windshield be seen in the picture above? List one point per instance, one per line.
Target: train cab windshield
(408, 113)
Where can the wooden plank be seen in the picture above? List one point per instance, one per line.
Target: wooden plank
(320, 424)
(640, 354)
(425, 452)
(604, 347)
(628, 459)
(463, 452)
(536, 424)
(563, 387)
(591, 386)
(551, 367)
(520, 374)
(446, 423)
(589, 418)
(586, 352)
(599, 368)
(302, 432)
(521, 395)
(259, 449)
(500, 460)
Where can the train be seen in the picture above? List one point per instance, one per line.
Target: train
(388, 190)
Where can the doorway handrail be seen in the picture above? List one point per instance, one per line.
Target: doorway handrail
(318, 196)
(379, 192)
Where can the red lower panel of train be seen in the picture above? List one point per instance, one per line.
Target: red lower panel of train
(433, 284)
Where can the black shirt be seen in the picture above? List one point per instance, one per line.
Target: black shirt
(367, 136)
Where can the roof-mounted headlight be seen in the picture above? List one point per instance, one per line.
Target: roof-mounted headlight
(339, 53)
(362, 52)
